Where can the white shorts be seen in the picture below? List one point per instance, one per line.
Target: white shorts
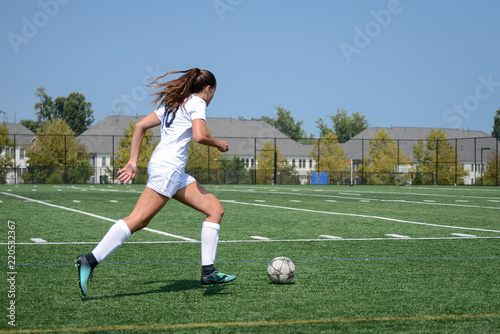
(166, 181)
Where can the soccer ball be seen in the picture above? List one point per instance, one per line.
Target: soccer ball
(281, 270)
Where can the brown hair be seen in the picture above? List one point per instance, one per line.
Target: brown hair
(171, 94)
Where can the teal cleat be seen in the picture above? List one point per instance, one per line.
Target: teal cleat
(216, 278)
(84, 273)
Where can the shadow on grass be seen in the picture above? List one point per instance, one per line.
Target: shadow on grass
(171, 286)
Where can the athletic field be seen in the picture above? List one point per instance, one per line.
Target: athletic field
(369, 260)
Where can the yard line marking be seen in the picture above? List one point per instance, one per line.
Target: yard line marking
(364, 216)
(260, 200)
(398, 236)
(257, 237)
(39, 240)
(376, 199)
(330, 200)
(235, 324)
(329, 236)
(464, 235)
(96, 216)
(244, 241)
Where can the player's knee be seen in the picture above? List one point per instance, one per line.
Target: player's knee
(217, 211)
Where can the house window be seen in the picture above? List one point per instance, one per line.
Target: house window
(21, 153)
(293, 162)
(103, 163)
(310, 163)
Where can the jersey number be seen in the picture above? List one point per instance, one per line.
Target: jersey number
(168, 119)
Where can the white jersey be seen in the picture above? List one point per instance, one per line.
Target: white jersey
(177, 132)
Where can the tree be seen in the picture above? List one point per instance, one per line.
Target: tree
(6, 152)
(265, 166)
(123, 155)
(438, 151)
(346, 127)
(496, 125)
(382, 160)
(77, 112)
(201, 159)
(323, 128)
(73, 109)
(331, 156)
(285, 123)
(491, 176)
(54, 149)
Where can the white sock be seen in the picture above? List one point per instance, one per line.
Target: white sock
(209, 241)
(116, 235)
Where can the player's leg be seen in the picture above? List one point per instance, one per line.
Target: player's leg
(197, 197)
(148, 205)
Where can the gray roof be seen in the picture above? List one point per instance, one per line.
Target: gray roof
(20, 133)
(243, 136)
(468, 142)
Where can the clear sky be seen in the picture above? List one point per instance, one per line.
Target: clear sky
(403, 63)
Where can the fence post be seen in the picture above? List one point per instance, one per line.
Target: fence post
(15, 161)
(113, 156)
(363, 161)
(496, 163)
(456, 161)
(254, 176)
(437, 161)
(208, 158)
(65, 161)
(275, 163)
(475, 162)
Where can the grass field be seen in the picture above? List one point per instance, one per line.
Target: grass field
(369, 260)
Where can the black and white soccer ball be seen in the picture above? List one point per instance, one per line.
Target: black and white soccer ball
(281, 270)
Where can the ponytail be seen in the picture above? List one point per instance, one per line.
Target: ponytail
(173, 93)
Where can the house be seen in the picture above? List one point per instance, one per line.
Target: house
(245, 139)
(20, 136)
(469, 145)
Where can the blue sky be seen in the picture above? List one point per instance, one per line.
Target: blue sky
(398, 62)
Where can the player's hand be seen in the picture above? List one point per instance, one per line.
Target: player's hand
(127, 173)
(223, 146)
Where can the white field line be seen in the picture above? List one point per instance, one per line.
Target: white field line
(362, 216)
(96, 216)
(357, 192)
(374, 199)
(251, 240)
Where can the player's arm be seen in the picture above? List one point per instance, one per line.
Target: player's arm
(201, 136)
(129, 171)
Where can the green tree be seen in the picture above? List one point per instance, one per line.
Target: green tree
(496, 125)
(123, 155)
(7, 151)
(491, 175)
(323, 128)
(83, 171)
(346, 127)
(77, 112)
(331, 156)
(54, 148)
(73, 109)
(265, 166)
(383, 159)
(436, 148)
(285, 123)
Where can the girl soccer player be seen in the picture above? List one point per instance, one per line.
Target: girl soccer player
(181, 115)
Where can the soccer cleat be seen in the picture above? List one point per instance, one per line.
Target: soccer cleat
(217, 278)
(84, 273)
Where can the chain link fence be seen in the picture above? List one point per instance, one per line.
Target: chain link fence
(96, 159)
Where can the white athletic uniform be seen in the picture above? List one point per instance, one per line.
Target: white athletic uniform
(166, 166)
